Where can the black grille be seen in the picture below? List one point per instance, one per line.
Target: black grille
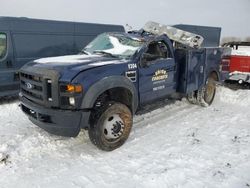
(35, 88)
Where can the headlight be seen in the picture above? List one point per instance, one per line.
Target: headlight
(71, 88)
(72, 101)
(70, 95)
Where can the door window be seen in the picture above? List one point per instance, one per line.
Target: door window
(156, 50)
(3, 45)
(164, 50)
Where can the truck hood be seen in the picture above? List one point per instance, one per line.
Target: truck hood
(70, 66)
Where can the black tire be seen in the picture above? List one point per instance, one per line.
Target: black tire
(205, 95)
(192, 97)
(111, 126)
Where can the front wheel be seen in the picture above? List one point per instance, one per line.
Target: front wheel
(111, 126)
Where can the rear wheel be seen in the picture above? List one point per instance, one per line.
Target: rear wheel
(111, 126)
(205, 95)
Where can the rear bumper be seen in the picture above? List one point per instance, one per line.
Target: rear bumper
(55, 121)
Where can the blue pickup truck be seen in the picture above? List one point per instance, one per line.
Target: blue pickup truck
(112, 78)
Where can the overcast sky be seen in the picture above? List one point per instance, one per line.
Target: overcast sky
(232, 15)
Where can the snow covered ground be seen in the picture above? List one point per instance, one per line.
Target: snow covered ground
(178, 145)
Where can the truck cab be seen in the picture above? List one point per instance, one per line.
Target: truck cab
(101, 88)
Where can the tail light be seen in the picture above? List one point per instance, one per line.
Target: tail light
(225, 64)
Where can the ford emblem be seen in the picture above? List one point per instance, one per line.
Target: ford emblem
(28, 85)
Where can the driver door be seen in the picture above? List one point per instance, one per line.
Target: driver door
(157, 72)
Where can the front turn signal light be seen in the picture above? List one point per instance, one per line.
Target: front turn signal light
(73, 88)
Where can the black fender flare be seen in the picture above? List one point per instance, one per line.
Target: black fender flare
(105, 84)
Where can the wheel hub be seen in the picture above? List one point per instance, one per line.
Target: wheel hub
(210, 88)
(113, 127)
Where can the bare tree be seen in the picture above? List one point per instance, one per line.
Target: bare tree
(247, 39)
(230, 39)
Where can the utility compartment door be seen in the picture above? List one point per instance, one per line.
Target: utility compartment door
(213, 60)
(196, 67)
(191, 69)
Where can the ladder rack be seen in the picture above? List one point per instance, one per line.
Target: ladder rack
(187, 38)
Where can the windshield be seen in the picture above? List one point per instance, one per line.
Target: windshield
(117, 45)
(3, 45)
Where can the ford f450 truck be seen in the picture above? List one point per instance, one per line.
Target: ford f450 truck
(114, 76)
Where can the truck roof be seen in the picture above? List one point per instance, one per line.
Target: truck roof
(139, 35)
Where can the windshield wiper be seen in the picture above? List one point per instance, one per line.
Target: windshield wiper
(84, 52)
(103, 52)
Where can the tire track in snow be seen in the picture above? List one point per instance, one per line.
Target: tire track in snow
(166, 113)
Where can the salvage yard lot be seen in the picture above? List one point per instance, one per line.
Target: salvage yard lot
(178, 145)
